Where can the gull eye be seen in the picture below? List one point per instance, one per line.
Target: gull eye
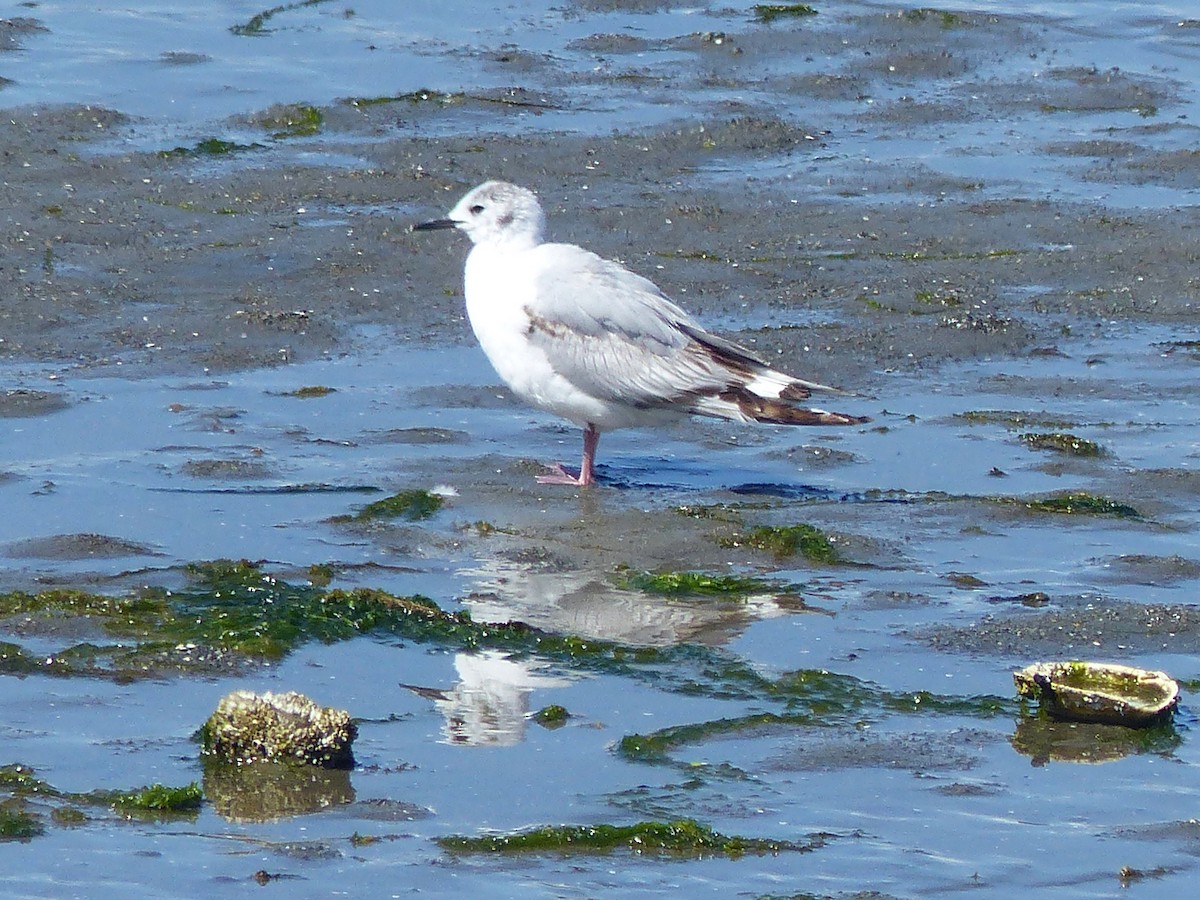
(476, 209)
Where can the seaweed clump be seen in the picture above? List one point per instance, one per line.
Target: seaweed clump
(290, 120)
(1062, 442)
(158, 798)
(677, 584)
(209, 147)
(552, 716)
(229, 615)
(769, 12)
(685, 838)
(19, 825)
(1083, 503)
(412, 505)
(802, 539)
(25, 789)
(256, 26)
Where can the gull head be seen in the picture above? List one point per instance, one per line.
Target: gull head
(496, 212)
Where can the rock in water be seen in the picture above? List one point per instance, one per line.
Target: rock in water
(249, 727)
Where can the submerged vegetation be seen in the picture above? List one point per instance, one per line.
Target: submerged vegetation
(233, 614)
(1015, 419)
(158, 798)
(770, 12)
(813, 698)
(19, 825)
(680, 584)
(309, 391)
(1080, 503)
(25, 789)
(1062, 442)
(552, 716)
(803, 540)
(413, 505)
(681, 838)
(290, 120)
(210, 147)
(925, 14)
(257, 24)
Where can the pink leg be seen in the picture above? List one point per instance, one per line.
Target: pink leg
(587, 469)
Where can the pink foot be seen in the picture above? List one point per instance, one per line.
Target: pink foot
(559, 475)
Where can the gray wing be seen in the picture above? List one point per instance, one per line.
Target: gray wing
(615, 335)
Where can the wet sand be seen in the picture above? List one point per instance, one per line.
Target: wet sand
(194, 263)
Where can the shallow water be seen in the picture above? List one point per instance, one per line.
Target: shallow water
(918, 804)
(172, 469)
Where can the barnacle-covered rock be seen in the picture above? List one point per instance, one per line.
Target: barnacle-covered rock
(287, 728)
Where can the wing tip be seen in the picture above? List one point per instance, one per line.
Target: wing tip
(781, 411)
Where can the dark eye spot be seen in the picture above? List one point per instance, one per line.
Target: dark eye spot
(476, 209)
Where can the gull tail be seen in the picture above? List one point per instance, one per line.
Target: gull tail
(757, 393)
(780, 411)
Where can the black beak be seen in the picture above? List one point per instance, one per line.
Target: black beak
(435, 225)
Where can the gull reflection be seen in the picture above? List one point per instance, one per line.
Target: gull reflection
(588, 605)
(489, 706)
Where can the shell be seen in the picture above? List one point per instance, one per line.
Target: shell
(1099, 692)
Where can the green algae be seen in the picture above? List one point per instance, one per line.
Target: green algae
(15, 661)
(815, 698)
(1062, 442)
(413, 505)
(291, 120)
(771, 12)
(421, 95)
(310, 391)
(158, 798)
(938, 297)
(1081, 503)
(515, 98)
(802, 539)
(209, 147)
(925, 14)
(68, 816)
(232, 614)
(552, 716)
(256, 26)
(229, 614)
(694, 255)
(676, 584)
(684, 838)
(321, 574)
(720, 512)
(22, 785)
(20, 779)
(947, 255)
(656, 746)
(17, 824)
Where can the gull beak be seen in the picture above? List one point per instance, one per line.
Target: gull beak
(435, 225)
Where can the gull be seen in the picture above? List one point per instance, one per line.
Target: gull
(586, 339)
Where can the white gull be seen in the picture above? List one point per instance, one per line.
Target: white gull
(588, 340)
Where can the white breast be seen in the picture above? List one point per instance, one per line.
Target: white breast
(498, 293)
